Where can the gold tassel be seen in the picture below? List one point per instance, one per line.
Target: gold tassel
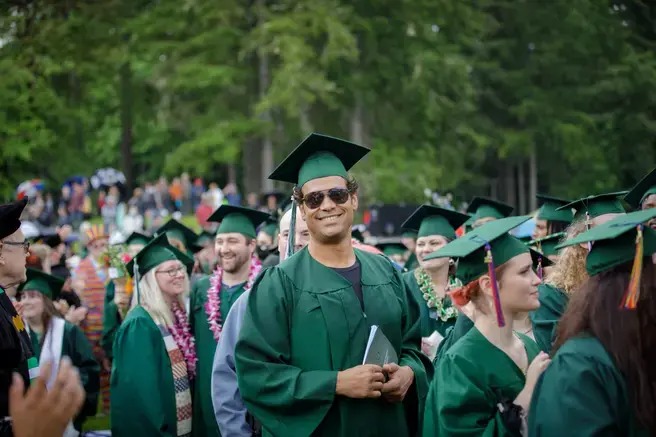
(630, 300)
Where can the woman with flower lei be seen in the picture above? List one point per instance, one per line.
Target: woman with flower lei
(213, 296)
(155, 355)
(431, 281)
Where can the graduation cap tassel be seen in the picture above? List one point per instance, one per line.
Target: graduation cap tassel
(540, 274)
(291, 237)
(587, 228)
(135, 275)
(630, 300)
(495, 289)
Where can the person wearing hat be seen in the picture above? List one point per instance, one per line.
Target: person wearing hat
(550, 220)
(602, 380)
(95, 276)
(271, 200)
(409, 240)
(302, 344)
(484, 209)
(116, 304)
(53, 338)
(431, 281)
(569, 272)
(28, 413)
(154, 352)
(212, 297)
(483, 383)
(180, 236)
(643, 195)
(206, 256)
(229, 410)
(394, 251)
(547, 247)
(266, 238)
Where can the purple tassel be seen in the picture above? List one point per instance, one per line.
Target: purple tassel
(540, 275)
(587, 228)
(495, 289)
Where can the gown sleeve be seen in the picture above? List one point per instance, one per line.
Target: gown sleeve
(138, 400)
(286, 399)
(460, 404)
(412, 356)
(79, 351)
(545, 319)
(462, 326)
(229, 408)
(111, 321)
(582, 393)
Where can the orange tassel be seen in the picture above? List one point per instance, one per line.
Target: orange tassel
(630, 300)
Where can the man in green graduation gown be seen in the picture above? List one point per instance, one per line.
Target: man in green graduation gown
(301, 348)
(212, 297)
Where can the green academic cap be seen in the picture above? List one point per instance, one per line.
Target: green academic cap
(318, 156)
(137, 238)
(547, 245)
(595, 206)
(204, 237)
(549, 210)
(433, 220)
(642, 189)
(177, 230)
(482, 207)
(469, 223)
(277, 194)
(238, 219)
(482, 250)
(46, 284)
(409, 233)
(270, 228)
(157, 251)
(621, 240)
(390, 249)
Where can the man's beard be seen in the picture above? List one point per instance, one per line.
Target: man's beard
(235, 264)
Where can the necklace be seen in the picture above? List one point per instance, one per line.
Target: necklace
(181, 332)
(213, 304)
(442, 305)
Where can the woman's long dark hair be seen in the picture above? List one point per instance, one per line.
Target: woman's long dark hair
(555, 226)
(629, 336)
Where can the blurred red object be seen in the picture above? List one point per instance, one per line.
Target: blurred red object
(367, 248)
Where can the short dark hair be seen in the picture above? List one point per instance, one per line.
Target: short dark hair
(351, 185)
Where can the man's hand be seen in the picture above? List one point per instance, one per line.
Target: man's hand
(43, 413)
(400, 381)
(365, 381)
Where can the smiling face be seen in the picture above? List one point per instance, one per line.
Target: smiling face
(427, 245)
(234, 251)
(33, 304)
(171, 277)
(330, 222)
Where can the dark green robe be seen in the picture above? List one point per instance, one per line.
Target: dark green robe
(76, 346)
(303, 324)
(430, 322)
(553, 302)
(582, 394)
(471, 378)
(412, 262)
(462, 326)
(142, 391)
(111, 320)
(204, 418)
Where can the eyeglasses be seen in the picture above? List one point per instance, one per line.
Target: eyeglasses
(24, 243)
(315, 199)
(174, 272)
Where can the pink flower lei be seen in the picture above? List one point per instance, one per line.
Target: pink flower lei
(181, 332)
(213, 304)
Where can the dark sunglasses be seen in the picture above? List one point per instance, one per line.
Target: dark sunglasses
(315, 199)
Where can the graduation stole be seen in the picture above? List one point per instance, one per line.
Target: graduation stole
(213, 304)
(181, 384)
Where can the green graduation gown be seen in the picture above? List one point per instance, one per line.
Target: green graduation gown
(204, 419)
(585, 391)
(462, 326)
(76, 346)
(111, 321)
(142, 391)
(303, 324)
(430, 321)
(553, 302)
(412, 262)
(471, 378)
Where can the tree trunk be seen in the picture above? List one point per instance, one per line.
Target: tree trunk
(263, 86)
(510, 183)
(126, 125)
(533, 178)
(521, 186)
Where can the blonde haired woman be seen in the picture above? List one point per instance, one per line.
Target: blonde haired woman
(154, 352)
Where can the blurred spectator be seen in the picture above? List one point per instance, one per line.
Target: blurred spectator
(133, 221)
(252, 200)
(232, 194)
(196, 191)
(176, 192)
(101, 200)
(76, 204)
(217, 195)
(204, 210)
(187, 205)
